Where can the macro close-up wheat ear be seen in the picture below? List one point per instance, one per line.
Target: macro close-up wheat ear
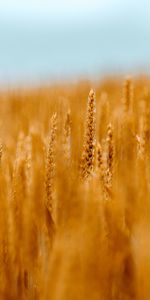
(74, 150)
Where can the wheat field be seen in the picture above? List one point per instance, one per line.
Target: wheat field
(75, 191)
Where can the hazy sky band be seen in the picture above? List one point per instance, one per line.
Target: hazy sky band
(57, 38)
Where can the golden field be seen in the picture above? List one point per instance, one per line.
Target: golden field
(75, 191)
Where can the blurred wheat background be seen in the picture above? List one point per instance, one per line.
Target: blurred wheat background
(74, 191)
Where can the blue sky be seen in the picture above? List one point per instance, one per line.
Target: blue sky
(44, 40)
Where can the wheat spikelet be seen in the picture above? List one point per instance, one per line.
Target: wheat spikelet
(99, 157)
(128, 95)
(67, 138)
(110, 161)
(110, 145)
(50, 171)
(88, 154)
(102, 170)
